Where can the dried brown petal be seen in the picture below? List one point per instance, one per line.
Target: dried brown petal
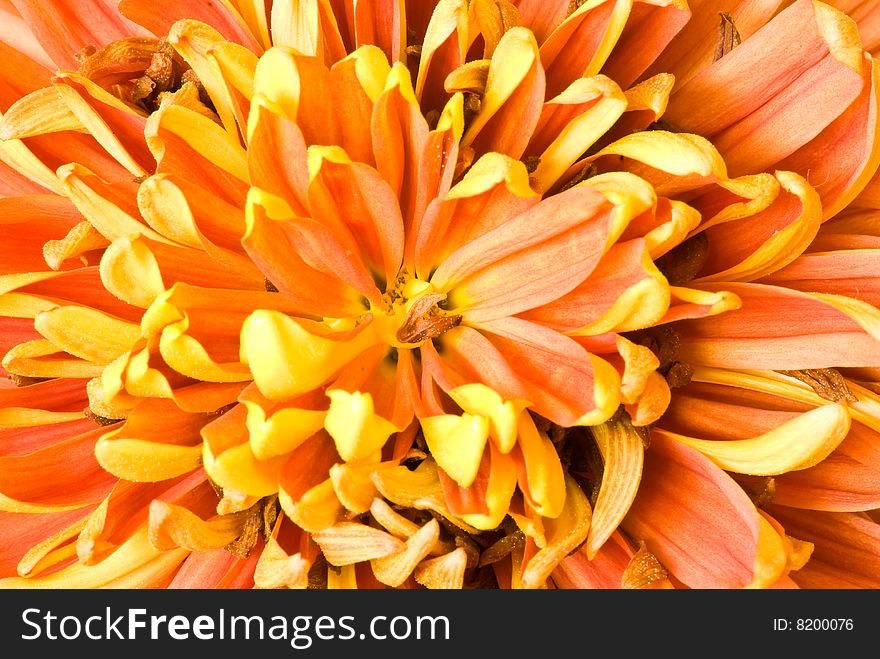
(644, 570)
(444, 572)
(347, 543)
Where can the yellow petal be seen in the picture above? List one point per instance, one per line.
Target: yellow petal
(282, 431)
(16, 155)
(583, 130)
(420, 489)
(25, 417)
(143, 461)
(641, 305)
(84, 190)
(354, 486)
(296, 23)
(287, 360)
(51, 551)
(354, 426)
(173, 526)
(87, 333)
(40, 112)
(457, 443)
(344, 578)
(499, 491)
(675, 153)
(188, 356)
(786, 244)
(630, 195)
(606, 393)
(502, 414)
(316, 510)
(490, 170)
(563, 535)
(515, 56)
(543, 471)
(130, 271)
(80, 239)
(796, 444)
(165, 208)
(93, 122)
(237, 469)
(682, 220)
(41, 359)
(623, 453)
(19, 305)
(866, 315)
(196, 42)
(136, 564)
(204, 136)
(770, 556)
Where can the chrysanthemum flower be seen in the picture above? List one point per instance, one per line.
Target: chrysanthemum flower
(450, 294)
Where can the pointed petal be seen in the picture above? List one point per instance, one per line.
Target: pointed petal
(797, 444)
(354, 426)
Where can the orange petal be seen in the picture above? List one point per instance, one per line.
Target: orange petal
(71, 477)
(833, 338)
(399, 133)
(844, 554)
(272, 244)
(494, 190)
(649, 28)
(759, 125)
(580, 44)
(845, 481)
(684, 499)
(511, 105)
(841, 160)
(843, 272)
(354, 196)
(624, 292)
(443, 50)
(512, 268)
(219, 15)
(383, 23)
(604, 570)
(63, 29)
(516, 358)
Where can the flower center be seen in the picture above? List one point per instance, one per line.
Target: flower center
(412, 315)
